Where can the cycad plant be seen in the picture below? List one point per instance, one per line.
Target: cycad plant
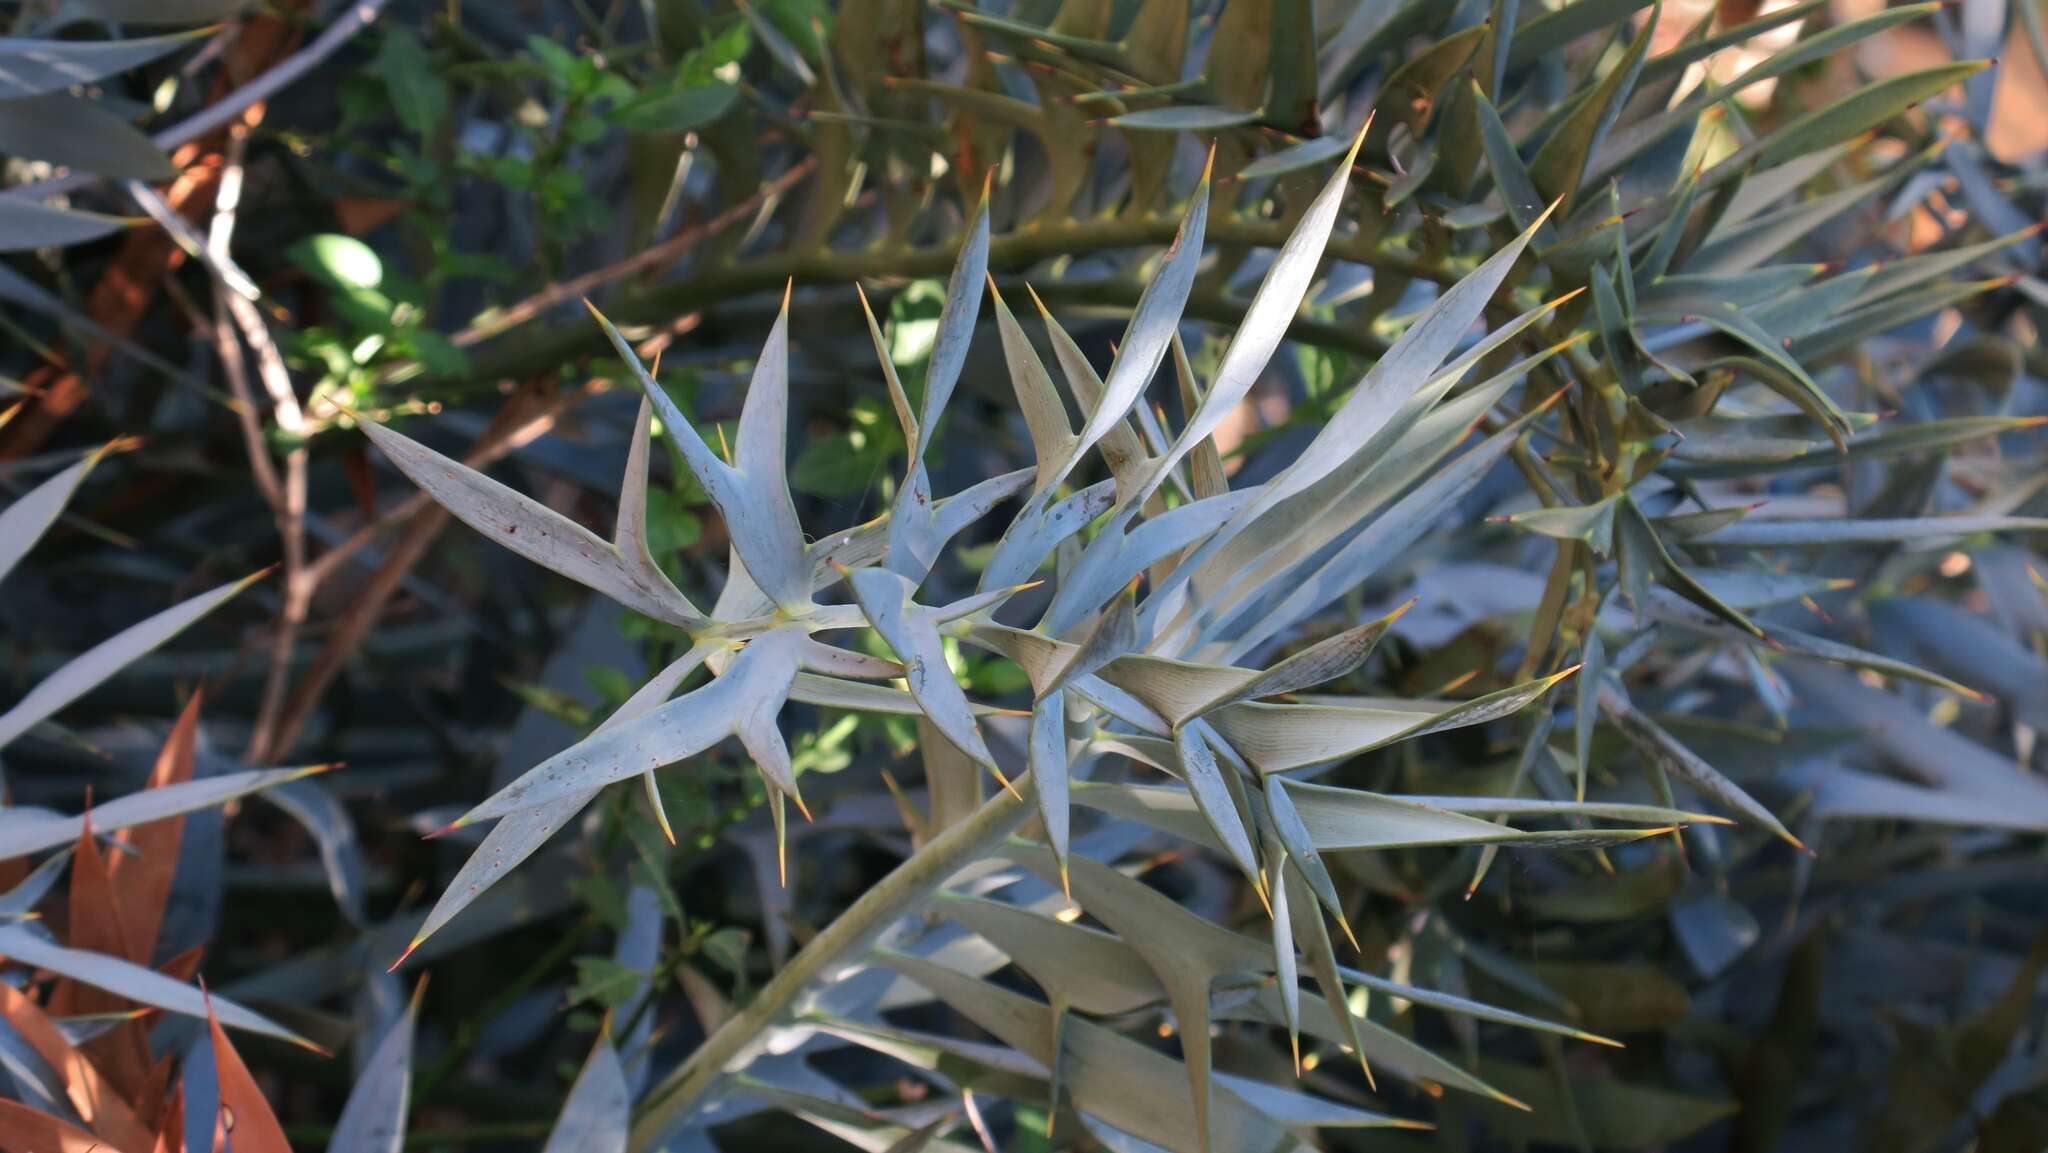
(1181, 636)
(1606, 579)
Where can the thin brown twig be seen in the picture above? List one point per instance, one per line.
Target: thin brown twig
(660, 255)
(286, 495)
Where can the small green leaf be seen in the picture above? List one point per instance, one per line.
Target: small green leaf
(419, 89)
(676, 111)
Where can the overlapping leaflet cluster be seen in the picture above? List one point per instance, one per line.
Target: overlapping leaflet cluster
(1112, 673)
(1172, 592)
(26, 830)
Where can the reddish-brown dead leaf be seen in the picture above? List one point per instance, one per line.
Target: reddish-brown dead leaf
(92, 920)
(360, 214)
(170, 1135)
(185, 966)
(95, 921)
(252, 1127)
(26, 1130)
(96, 1100)
(141, 879)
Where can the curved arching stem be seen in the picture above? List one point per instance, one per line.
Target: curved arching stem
(669, 1102)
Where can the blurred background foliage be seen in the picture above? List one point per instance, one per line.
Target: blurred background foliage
(1804, 239)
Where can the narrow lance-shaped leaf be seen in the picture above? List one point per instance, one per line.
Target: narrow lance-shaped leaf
(595, 1117)
(1312, 153)
(504, 848)
(910, 630)
(25, 830)
(767, 532)
(1301, 848)
(1617, 330)
(127, 979)
(629, 538)
(1313, 939)
(1585, 709)
(1286, 975)
(1667, 754)
(1114, 557)
(1152, 324)
(918, 526)
(1351, 819)
(1844, 117)
(199, 1095)
(1900, 275)
(152, 12)
(535, 531)
(899, 400)
(81, 134)
(1184, 118)
(1049, 766)
(1324, 661)
(914, 541)
(1265, 323)
(1277, 738)
(1403, 450)
(752, 494)
(1385, 538)
(1517, 189)
(1668, 608)
(666, 734)
(1120, 447)
(1206, 476)
(1793, 533)
(1559, 27)
(1410, 363)
(1213, 796)
(956, 325)
(27, 519)
(1561, 161)
(1045, 416)
(29, 67)
(20, 901)
(1807, 49)
(141, 878)
(373, 1119)
(27, 225)
(88, 669)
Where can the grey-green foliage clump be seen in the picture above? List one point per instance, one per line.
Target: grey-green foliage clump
(52, 112)
(1178, 654)
(1146, 681)
(1627, 344)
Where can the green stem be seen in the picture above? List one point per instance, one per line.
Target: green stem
(853, 931)
(539, 348)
